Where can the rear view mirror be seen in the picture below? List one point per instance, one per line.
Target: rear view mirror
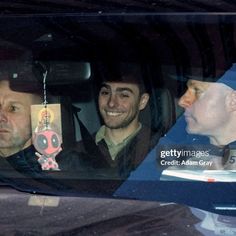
(58, 73)
(68, 72)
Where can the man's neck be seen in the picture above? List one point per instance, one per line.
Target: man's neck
(6, 152)
(225, 134)
(222, 141)
(118, 135)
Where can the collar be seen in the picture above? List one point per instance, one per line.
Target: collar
(22, 153)
(24, 160)
(101, 135)
(232, 145)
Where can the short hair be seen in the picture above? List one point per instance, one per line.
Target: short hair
(123, 72)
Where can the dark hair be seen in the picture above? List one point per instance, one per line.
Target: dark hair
(123, 72)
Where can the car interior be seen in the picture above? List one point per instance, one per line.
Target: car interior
(168, 47)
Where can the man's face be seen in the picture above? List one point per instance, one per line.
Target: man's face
(15, 125)
(205, 107)
(120, 103)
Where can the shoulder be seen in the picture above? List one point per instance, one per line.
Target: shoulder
(147, 136)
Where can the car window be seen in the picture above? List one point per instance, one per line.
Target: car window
(116, 116)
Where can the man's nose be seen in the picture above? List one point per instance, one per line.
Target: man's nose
(3, 116)
(187, 99)
(112, 100)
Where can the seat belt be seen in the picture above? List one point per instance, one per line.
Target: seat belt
(90, 146)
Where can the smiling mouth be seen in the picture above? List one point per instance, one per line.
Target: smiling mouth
(113, 113)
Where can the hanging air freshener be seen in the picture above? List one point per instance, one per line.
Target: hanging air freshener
(46, 130)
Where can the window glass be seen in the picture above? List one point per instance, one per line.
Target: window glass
(131, 106)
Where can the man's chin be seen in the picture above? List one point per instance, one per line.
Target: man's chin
(194, 130)
(113, 126)
(191, 130)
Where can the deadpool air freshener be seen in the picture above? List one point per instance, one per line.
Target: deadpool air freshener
(46, 131)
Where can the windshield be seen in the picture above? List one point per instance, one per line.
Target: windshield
(138, 106)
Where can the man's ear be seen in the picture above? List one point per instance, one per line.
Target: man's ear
(231, 101)
(143, 101)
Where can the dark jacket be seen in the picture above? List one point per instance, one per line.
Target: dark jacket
(95, 159)
(24, 161)
(22, 171)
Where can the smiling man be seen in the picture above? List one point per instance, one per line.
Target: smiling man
(122, 142)
(120, 104)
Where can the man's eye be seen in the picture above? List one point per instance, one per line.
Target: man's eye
(104, 92)
(198, 91)
(124, 95)
(13, 108)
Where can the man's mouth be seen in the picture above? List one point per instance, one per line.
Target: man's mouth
(4, 131)
(113, 113)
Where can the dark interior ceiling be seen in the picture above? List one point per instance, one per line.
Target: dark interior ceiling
(114, 6)
(140, 30)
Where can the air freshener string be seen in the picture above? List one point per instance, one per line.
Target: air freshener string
(45, 98)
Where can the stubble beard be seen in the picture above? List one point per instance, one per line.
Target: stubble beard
(122, 124)
(13, 144)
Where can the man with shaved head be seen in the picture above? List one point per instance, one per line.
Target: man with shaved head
(15, 125)
(210, 110)
(210, 121)
(16, 98)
